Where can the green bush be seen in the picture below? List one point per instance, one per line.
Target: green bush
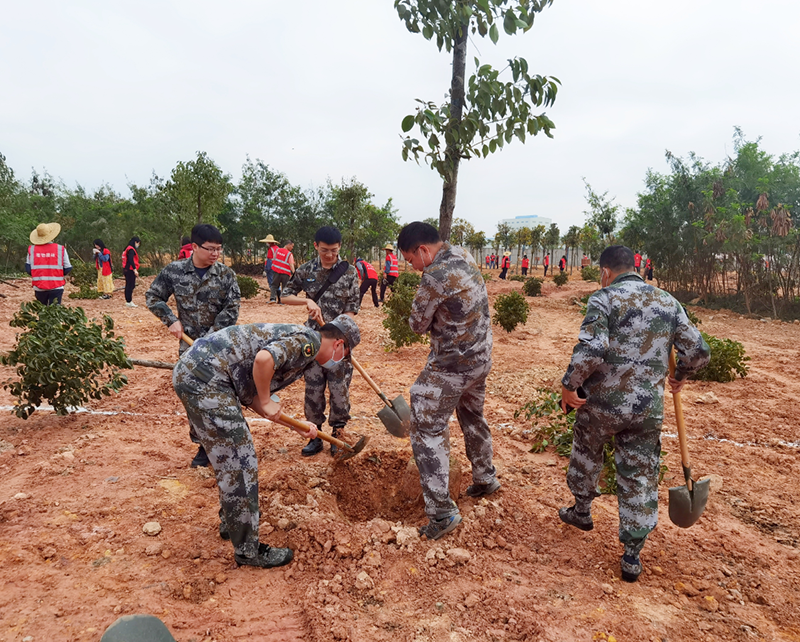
(591, 273)
(147, 271)
(486, 277)
(83, 275)
(397, 309)
(585, 303)
(247, 286)
(560, 279)
(554, 428)
(727, 360)
(532, 287)
(86, 292)
(63, 358)
(517, 277)
(511, 310)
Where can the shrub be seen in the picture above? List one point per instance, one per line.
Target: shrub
(248, 269)
(727, 360)
(486, 277)
(517, 277)
(591, 273)
(62, 358)
(560, 279)
(585, 303)
(511, 310)
(247, 286)
(83, 275)
(532, 287)
(397, 309)
(147, 271)
(86, 292)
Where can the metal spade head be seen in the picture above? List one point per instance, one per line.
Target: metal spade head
(397, 419)
(352, 451)
(686, 506)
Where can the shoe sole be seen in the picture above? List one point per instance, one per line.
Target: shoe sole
(584, 527)
(630, 577)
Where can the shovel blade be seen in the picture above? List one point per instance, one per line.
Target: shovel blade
(686, 506)
(393, 423)
(347, 453)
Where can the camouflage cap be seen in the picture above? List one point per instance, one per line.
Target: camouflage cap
(349, 328)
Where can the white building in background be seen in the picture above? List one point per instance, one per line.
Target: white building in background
(530, 221)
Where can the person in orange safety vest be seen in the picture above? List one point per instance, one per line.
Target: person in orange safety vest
(47, 263)
(282, 270)
(390, 270)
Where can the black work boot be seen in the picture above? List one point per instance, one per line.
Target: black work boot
(631, 567)
(200, 459)
(312, 447)
(574, 518)
(267, 557)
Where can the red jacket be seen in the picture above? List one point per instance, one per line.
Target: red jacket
(186, 251)
(637, 259)
(506, 262)
(135, 258)
(370, 270)
(106, 268)
(525, 263)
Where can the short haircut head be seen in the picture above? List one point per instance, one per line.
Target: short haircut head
(617, 258)
(328, 234)
(332, 332)
(415, 234)
(206, 233)
(285, 243)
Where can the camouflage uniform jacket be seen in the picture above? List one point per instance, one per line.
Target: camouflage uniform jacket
(230, 354)
(204, 305)
(452, 304)
(342, 296)
(622, 357)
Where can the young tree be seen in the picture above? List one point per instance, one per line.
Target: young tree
(571, 240)
(504, 238)
(484, 113)
(476, 242)
(602, 213)
(461, 231)
(199, 190)
(523, 240)
(551, 240)
(537, 240)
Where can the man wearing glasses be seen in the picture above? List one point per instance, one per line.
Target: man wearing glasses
(206, 294)
(331, 288)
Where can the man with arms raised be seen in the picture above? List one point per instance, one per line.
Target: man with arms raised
(206, 294)
(452, 305)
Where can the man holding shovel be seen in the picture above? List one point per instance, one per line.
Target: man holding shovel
(206, 294)
(242, 366)
(331, 288)
(453, 306)
(616, 382)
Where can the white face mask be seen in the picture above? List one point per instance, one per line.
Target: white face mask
(430, 259)
(331, 363)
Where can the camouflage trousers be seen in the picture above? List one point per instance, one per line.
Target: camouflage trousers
(337, 380)
(434, 397)
(637, 453)
(215, 415)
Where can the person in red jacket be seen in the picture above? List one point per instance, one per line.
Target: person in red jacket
(525, 264)
(505, 264)
(390, 270)
(186, 248)
(369, 279)
(105, 269)
(637, 262)
(47, 263)
(282, 269)
(130, 268)
(648, 270)
(546, 263)
(562, 264)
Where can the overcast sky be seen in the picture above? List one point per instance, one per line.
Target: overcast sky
(107, 92)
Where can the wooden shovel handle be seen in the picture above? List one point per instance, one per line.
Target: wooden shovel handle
(187, 338)
(369, 380)
(676, 398)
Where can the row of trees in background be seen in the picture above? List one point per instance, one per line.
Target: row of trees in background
(724, 231)
(197, 191)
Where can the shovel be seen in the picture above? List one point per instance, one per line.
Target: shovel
(686, 503)
(396, 416)
(346, 451)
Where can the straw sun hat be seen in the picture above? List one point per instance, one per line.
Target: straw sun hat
(269, 239)
(45, 233)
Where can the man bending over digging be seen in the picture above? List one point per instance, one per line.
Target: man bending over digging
(242, 366)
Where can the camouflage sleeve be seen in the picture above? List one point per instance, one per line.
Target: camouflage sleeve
(692, 351)
(229, 314)
(590, 351)
(353, 303)
(157, 296)
(429, 296)
(295, 284)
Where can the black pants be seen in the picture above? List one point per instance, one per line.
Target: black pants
(503, 273)
(386, 282)
(49, 296)
(130, 283)
(368, 284)
(545, 269)
(524, 271)
(279, 281)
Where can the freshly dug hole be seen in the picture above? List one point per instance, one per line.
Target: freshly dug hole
(383, 484)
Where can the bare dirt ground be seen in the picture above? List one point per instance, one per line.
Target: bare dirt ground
(76, 492)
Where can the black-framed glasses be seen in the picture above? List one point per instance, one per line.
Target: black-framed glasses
(212, 250)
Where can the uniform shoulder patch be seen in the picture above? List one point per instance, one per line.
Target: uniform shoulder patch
(308, 350)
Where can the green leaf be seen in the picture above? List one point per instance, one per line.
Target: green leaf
(427, 32)
(408, 123)
(494, 34)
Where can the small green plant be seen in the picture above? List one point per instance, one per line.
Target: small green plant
(532, 287)
(591, 273)
(585, 303)
(517, 277)
(84, 275)
(728, 359)
(247, 286)
(486, 277)
(511, 310)
(397, 309)
(63, 358)
(560, 279)
(692, 316)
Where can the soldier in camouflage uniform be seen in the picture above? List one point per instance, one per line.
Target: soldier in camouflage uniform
(452, 305)
(206, 294)
(341, 297)
(242, 366)
(620, 365)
